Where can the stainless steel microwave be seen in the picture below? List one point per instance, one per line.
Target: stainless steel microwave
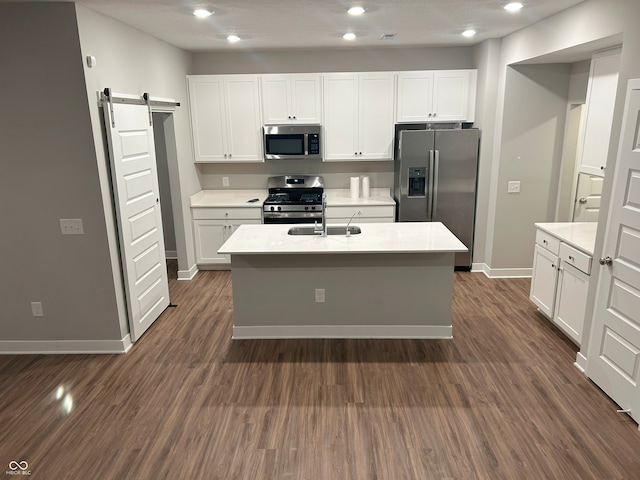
(292, 142)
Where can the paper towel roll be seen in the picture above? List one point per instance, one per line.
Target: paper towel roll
(355, 187)
(366, 191)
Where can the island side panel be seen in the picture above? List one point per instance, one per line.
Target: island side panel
(366, 295)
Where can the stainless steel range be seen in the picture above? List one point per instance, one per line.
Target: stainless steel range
(294, 199)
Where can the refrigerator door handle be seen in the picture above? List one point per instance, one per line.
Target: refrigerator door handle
(430, 187)
(436, 165)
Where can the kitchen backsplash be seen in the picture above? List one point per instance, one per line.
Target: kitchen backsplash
(254, 175)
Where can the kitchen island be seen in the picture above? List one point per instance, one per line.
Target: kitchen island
(392, 280)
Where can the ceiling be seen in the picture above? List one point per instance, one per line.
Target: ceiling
(309, 24)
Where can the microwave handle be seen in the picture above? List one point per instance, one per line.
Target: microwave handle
(306, 144)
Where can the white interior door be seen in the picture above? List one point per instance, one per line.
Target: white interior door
(588, 195)
(135, 183)
(613, 360)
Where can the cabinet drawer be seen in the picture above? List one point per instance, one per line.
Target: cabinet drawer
(574, 257)
(215, 213)
(375, 211)
(548, 242)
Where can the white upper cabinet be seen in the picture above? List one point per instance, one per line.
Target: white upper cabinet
(601, 98)
(226, 121)
(436, 96)
(358, 116)
(291, 99)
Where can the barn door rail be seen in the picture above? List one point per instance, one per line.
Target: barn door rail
(107, 97)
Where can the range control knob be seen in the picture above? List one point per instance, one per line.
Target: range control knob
(279, 208)
(272, 209)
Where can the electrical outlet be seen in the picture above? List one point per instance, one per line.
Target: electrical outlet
(36, 309)
(319, 295)
(225, 181)
(513, 187)
(71, 226)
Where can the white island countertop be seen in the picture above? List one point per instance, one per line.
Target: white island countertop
(406, 237)
(581, 235)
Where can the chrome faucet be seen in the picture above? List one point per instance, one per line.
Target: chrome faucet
(324, 214)
(348, 233)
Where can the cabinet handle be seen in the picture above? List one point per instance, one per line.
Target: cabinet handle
(289, 117)
(429, 115)
(553, 265)
(294, 117)
(434, 114)
(544, 241)
(583, 200)
(602, 167)
(571, 258)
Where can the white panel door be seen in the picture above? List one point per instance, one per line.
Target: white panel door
(588, 195)
(613, 359)
(306, 99)
(135, 183)
(601, 99)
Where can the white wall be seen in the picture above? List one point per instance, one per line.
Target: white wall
(588, 22)
(48, 171)
(129, 61)
(343, 60)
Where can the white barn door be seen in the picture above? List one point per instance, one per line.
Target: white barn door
(613, 360)
(137, 201)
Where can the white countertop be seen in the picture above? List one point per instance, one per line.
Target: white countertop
(238, 198)
(581, 235)
(408, 237)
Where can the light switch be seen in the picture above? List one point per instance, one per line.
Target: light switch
(71, 226)
(513, 187)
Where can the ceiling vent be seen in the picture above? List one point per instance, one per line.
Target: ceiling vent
(387, 36)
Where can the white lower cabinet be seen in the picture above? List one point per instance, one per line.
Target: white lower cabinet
(560, 282)
(213, 226)
(571, 301)
(544, 280)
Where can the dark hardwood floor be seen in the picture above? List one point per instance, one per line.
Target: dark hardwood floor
(502, 400)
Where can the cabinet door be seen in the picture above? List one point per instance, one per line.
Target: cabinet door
(209, 237)
(340, 116)
(601, 98)
(276, 99)
(544, 280)
(376, 116)
(244, 121)
(208, 120)
(306, 98)
(571, 301)
(451, 95)
(415, 97)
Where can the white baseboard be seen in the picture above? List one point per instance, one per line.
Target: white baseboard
(502, 272)
(342, 331)
(188, 274)
(33, 347)
(581, 363)
(171, 254)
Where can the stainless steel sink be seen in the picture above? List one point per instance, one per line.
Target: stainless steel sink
(331, 230)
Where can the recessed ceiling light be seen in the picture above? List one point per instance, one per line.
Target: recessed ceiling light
(469, 33)
(233, 38)
(355, 11)
(202, 13)
(349, 36)
(513, 6)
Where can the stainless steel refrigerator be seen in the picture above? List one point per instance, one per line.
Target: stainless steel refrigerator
(435, 179)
